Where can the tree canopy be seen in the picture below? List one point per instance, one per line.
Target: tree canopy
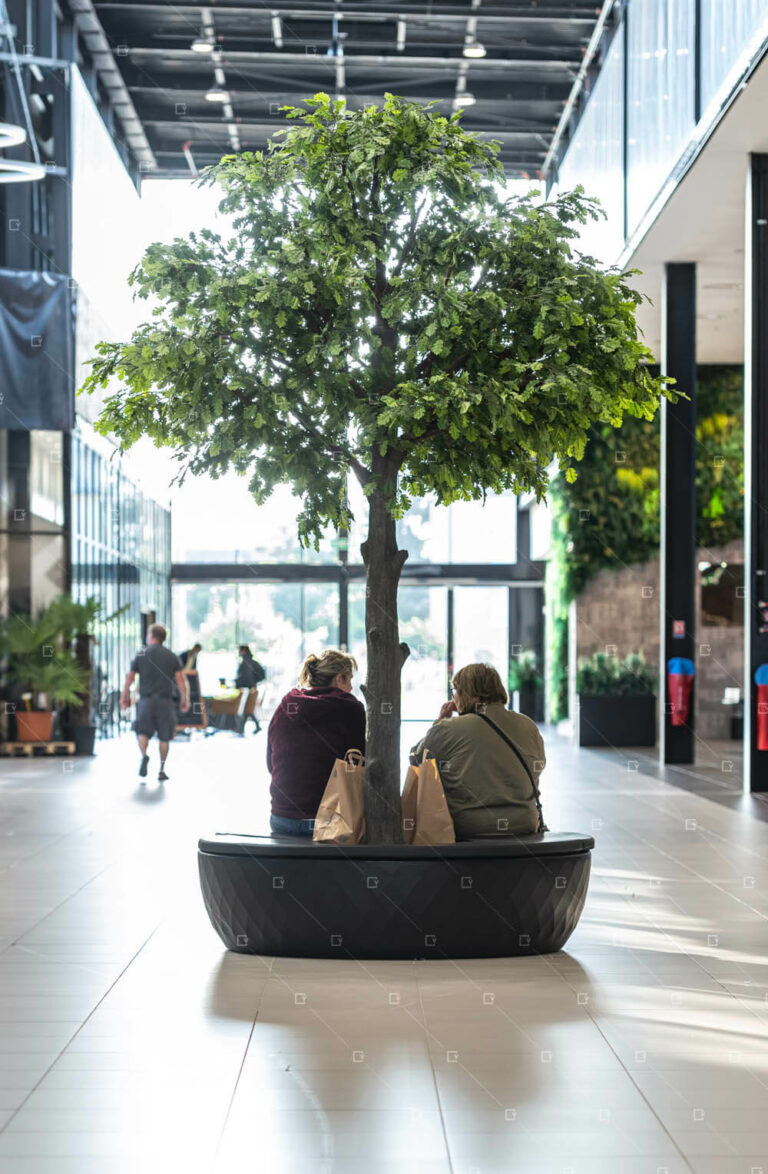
(381, 294)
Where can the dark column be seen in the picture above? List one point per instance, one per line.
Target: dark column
(678, 500)
(344, 611)
(526, 604)
(449, 640)
(755, 467)
(18, 523)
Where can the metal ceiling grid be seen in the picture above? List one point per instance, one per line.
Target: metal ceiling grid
(509, 66)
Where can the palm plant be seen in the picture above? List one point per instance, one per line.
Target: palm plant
(35, 663)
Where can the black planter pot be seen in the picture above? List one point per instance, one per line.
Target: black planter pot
(490, 898)
(84, 738)
(608, 720)
(530, 702)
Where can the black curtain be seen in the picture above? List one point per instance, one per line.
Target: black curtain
(36, 351)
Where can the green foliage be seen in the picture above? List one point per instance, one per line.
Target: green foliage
(609, 518)
(603, 674)
(36, 658)
(556, 626)
(381, 298)
(71, 619)
(524, 671)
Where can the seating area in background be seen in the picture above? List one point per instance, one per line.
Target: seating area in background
(234, 712)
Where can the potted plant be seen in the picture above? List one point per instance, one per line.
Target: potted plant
(527, 684)
(39, 674)
(76, 625)
(617, 701)
(382, 311)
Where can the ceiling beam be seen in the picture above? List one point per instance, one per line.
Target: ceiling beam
(320, 60)
(583, 16)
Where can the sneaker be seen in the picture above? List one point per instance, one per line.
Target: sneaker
(162, 776)
(144, 766)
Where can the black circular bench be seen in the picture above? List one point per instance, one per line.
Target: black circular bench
(485, 898)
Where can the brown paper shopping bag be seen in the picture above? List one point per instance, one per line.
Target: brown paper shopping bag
(426, 818)
(408, 804)
(340, 817)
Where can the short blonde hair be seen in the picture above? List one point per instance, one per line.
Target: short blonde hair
(317, 672)
(477, 684)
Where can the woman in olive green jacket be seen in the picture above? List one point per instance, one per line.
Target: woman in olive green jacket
(489, 784)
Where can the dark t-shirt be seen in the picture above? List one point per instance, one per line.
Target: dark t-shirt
(157, 667)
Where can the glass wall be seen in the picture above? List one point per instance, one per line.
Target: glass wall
(121, 554)
(729, 32)
(661, 82)
(595, 157)
(281, 622)
(656, 104)
(481, 627)
(465, 532)
(423, 618)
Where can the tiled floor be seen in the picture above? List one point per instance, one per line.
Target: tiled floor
(132, 1042)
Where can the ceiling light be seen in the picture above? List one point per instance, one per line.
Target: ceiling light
(15, 171)
(474, 49)
(465, 99)
(202, 45)
(11, 135)
(216, 95)
(401, 29)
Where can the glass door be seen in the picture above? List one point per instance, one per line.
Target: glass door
(481, 628)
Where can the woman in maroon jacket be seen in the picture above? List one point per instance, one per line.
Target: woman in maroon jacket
(312, 727)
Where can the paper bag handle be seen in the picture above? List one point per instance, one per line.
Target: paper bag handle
(354, 757)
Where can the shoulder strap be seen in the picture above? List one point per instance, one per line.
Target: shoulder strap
(526, 768)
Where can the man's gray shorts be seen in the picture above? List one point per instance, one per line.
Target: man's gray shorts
(156, 715)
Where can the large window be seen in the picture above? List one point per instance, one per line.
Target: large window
(281, 623)
(595, 157)
(121, 554)
(481, 627)
(661, 79)
(729, 32)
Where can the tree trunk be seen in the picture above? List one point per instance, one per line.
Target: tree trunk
(386, 656)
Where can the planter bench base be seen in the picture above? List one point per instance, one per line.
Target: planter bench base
(495, 897)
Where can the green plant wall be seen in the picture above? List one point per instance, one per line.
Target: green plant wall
(609, 517)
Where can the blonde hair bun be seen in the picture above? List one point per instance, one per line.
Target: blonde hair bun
(317, 672)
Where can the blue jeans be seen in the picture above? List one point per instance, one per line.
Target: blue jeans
(282, 826)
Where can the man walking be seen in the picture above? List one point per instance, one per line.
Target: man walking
(158, 669)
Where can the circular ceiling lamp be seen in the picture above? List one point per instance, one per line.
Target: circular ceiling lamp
(215, 94)
(474, 49)
(11, 135)
(202, 44)
(15, 171)
(465, 99)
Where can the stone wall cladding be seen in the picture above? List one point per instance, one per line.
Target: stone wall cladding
(618, 611)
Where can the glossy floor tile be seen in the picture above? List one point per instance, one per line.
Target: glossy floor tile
(130, 1041)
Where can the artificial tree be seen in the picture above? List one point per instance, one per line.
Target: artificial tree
(383, 310)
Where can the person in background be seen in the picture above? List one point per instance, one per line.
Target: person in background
(491, 786)
(188, 660)
(312, 726)
(250, 674)
(159, 672)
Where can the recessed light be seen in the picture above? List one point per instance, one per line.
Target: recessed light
(216, 95)
(465, 99)
(474, 49)
(202, 45)
(11, 135)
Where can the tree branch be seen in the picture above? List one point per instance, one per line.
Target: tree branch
(408, 246)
